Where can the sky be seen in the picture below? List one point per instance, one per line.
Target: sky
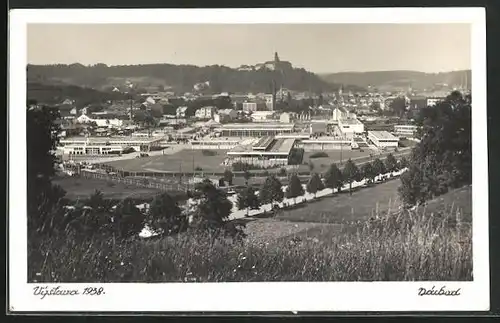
(319, 48)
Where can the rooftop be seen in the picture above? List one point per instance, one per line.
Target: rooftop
(263, 143)
(383, 135)
(263, 126)
(104, 140)
(282, 145)
(350, 121)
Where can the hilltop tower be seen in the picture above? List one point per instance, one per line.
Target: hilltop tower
(276, 58)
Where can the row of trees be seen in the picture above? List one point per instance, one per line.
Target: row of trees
(272, 189)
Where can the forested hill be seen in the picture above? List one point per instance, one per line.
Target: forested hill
(401, 79)
(180, 78)
(56, 94)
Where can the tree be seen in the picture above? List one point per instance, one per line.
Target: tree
(398, 106)
(127, 219)
(403, 163)
(368, 172)
(213, 207)
(391, 163)
(228, 177)
(294, 188)
(311, 167)
(96, 200)
(247, 175)
(282, 172)
(378, 167)
(248, 199)
(165, 215)
(333, 178)
(271, 191)
(42, 197)
(443, 157)
(350, 173)
(315, 184)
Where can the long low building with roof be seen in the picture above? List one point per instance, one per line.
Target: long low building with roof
(107, 145)
(266, 152)
(255, 129)
(326, 143)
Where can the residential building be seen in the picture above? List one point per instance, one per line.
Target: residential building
(285, 117)
(225, 115)
(249, 106)
(432, 101)
(181, 112)
(262, 116)
(205, 112)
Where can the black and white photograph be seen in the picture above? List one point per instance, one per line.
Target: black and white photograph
(269, 159)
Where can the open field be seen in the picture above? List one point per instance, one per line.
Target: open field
(321, 164)
(345, 208)
(80, 188)
(181, 161)
(325, 219)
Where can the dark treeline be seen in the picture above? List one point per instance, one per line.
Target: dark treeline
(183, 77)
(56, 94)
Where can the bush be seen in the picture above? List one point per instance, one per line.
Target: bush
(198, 169)
(206, 152)
(241, 167)
(319, 154)
(296, 156)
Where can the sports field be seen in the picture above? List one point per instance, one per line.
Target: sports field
(183, 161)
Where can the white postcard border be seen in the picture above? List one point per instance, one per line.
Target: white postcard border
(327, 296)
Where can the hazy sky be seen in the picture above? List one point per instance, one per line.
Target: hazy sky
(319, 48)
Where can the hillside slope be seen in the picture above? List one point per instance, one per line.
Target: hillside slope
(400, 79)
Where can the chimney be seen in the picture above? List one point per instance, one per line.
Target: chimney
(274, 96)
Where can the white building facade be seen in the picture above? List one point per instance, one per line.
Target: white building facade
(383, 139)
(205, 112)
(405, 131)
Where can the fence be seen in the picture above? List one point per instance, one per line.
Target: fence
(140, 182)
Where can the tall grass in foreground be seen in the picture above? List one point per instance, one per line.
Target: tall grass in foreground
(402, 247)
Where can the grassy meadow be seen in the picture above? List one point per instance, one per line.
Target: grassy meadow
(429, 243)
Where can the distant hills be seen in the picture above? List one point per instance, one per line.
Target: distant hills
(184, 78)
(401, 80)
